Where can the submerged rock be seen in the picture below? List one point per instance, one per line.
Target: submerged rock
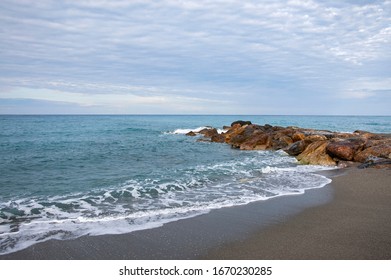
(191, 133)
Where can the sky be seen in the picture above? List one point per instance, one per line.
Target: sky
(298, 57)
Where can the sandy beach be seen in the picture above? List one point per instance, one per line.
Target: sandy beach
(349, 219)
(355, 225)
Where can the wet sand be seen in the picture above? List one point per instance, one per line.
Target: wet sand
(350, 219)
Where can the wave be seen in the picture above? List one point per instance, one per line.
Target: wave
(195, 130)
(151, 202)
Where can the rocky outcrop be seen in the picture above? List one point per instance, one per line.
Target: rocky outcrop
(309, 146)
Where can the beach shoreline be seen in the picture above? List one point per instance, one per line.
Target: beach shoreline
(344, 220)
(353, 226)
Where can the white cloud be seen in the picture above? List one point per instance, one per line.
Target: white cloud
(201, 49)
(362, 88)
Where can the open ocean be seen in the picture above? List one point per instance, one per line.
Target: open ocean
(62, 177)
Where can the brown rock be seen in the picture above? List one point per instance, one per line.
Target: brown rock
(298, 136)
(258, 141)
(381, 151)
(315, 153)
(203, 140)
(315, 137)
(234, 131)
(345, 149)
(368, 135)
(191, 133)
(343, 135)
(218, 138)
(382, 163)
(281, 141)
(239, 135)
(371, 143)
(297, 147)
(241, 123)
(208, 132)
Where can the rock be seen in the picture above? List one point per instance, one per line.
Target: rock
(379, 151)
(203, 140)
(298, 136)
(367, 135)
(218, 138)
(234, 131)
(237, 140)
(281, 141)
(376, 163)
(345, 149)
(371, 143)
(239, 134)
(241, 123)
(297, 147)
(208, 132)
(315, 153)
(344, 164)
(310, 146)
(258, 141)
(315, 137)
(342, 135)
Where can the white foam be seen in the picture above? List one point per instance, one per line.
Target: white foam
(259, 176)
(187, 130)
(195, 130)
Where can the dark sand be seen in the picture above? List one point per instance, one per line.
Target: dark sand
(351, 219)
(355, 225)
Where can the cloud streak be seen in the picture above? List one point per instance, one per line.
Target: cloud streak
(234, 51)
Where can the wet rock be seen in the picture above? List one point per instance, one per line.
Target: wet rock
(258, 141)
(241, 123)
(344, 164)
(345, 149)
(315, 137)
(371, 143)
(297, 147)
(208, 132)
(367, 135)
(310, 146)
(315, 153)
(378, 151)
(191, 133)
(219, 138)
(203, 140)
(298, 136)
(376, 163)
(281, 141)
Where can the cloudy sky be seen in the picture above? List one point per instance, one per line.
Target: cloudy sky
(195, 57)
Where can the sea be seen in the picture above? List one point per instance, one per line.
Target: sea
(66, 176)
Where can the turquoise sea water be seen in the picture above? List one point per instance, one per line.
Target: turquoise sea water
(66, 176)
